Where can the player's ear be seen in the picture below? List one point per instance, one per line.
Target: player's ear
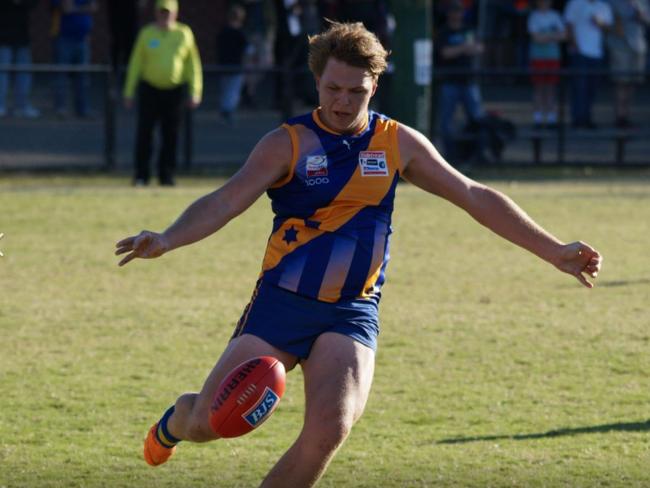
(374, 87)
(317, 80)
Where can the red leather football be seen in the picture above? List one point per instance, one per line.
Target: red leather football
(247, 396)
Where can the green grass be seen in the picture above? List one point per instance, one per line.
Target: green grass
(493, 368)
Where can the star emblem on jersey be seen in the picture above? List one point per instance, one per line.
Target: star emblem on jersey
(290, 235)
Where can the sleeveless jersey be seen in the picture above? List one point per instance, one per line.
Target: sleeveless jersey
(333, 210)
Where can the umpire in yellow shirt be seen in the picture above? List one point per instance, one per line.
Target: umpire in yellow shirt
(165, 64)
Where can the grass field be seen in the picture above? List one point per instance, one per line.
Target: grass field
(493, 368)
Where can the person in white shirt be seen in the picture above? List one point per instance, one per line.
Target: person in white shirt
(587, 21)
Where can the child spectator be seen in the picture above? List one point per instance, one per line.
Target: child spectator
(231, 49)
(546, 30)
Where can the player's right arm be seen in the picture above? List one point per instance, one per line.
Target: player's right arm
(268, 163)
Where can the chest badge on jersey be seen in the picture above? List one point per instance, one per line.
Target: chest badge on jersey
(316, 166)
(373, 163)
(316, 169)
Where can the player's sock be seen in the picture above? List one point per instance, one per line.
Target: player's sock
(163, 435)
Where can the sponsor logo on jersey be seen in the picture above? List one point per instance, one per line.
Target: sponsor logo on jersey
(373, 163)
(263, 408)
(317, 181)
(316, 166)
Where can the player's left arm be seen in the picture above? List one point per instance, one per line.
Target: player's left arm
(427, 169)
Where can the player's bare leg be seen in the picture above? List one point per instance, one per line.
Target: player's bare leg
(190, 420)
(338, 375)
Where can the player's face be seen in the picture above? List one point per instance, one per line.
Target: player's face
(344, 92)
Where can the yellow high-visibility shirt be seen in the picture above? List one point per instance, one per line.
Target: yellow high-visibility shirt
(165, 59)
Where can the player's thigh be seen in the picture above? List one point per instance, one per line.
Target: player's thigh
(338, 376)
(239, 350)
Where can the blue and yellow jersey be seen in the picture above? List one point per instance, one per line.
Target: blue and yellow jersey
(332, 222)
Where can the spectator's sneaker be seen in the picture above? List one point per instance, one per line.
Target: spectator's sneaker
(154, 452)
(139, 183)
(28, 112)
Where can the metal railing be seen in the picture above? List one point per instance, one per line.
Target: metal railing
(286, 76)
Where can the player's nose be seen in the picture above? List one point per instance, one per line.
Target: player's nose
(344, 99)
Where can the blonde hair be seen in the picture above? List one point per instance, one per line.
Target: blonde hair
(351, 43)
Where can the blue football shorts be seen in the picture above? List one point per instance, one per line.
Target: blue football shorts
(292, 323)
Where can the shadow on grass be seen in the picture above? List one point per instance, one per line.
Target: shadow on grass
(596, 429)
(613, 284)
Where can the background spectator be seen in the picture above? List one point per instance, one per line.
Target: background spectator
(457, 48)
(627, 52)
(231, 49)
(290, 51)
(164, 60)
(72, 46)
(15, 49)
(586, 21)
(546, 29)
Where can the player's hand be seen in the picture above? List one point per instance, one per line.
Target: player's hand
(580, 259)
(146, 245)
